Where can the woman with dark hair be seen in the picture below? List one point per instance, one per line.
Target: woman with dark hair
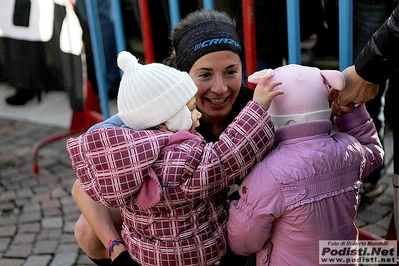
(207, 46)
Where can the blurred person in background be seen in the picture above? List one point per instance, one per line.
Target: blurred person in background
(41, 48)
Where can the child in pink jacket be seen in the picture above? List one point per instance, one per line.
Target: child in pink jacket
(305, 190)
(170, 184)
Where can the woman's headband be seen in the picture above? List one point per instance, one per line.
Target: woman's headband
(205, 38)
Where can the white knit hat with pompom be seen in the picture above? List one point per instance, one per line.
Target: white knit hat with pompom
(153, 94)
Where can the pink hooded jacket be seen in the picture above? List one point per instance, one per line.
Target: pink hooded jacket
(305, 190)
(171, 187)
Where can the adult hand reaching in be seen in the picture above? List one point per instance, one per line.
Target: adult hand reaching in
(356, 91)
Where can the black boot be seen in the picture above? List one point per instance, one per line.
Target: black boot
(124, 259)
(101, 262)
(21, 97)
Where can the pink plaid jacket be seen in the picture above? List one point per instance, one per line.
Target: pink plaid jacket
(171, 187)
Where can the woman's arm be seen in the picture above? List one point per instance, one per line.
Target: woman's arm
(378, 60)
(379, 57)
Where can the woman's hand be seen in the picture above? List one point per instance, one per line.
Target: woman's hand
(356, 91)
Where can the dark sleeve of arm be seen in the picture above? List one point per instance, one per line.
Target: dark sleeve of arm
(380, 56)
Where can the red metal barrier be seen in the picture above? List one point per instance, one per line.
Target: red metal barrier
(146, 30)
(81, 121)
(248, 15)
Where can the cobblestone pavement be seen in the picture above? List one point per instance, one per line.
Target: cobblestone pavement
(37, 212)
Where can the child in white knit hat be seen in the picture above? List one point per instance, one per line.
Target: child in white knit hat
(305, 190)
(168, 183)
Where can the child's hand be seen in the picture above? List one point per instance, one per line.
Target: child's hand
(340, 110)
(264, 92)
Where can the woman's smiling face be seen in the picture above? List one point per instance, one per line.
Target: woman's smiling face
(218, 76)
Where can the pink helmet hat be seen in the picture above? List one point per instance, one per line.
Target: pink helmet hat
(306, 90)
